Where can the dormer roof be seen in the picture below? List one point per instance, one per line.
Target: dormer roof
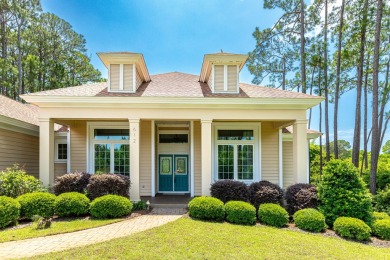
(126, 58)
(220, 58)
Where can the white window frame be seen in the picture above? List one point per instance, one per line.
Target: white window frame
(256, 128)
(91, 126)
(61, 139)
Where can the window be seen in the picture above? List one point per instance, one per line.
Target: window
(173, 138)
(61, 150)
(235, 152)
(109, 148)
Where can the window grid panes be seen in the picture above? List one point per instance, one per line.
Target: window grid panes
(62, 151)
(102, 158)
(121, 159)
(245, 162)
(225, 162)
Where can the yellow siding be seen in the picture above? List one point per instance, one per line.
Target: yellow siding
(59, 169)
(114, 77)
(19, 148)
(232, 78)
(145, 159)
(218, 78)
(287, 164)
(128, 77)
(138, 80)
(210, 81)
(197, 160)
(270, 152)
(78, 146)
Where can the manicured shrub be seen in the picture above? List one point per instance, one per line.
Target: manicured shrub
(103, 184)
(301, 196)
(207, 208)
(140, 205)
(379, 215)
(381, 228)
(71, 204)
(240, 212)
(310, 220)
(265, 192)
(228, 190)
(71, 182)
(273, 215)
(343, 193)
(110, 206)
(15, 182)
(9, 211)
(352, 228)
(382, 201)
(37, 203)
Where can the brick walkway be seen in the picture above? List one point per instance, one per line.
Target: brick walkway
(43, 245)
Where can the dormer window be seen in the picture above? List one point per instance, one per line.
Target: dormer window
(221, 72)
(126, 71)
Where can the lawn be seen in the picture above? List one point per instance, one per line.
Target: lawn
(190, 239)
(57, 227)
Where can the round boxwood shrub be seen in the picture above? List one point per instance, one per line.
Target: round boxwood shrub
(15, 182)
(240, 212)
(352, 228)
(103, 184)
(382, 200)
(342, 193)
(37, 203)
(71, 182)
(228, 190)
(310, 220)
(71, 204)
(379, 215)
(301, 196)
(9, 211)
(381, 228)
(265, 192)
(110, 206)
(273, 215)
(207, 208)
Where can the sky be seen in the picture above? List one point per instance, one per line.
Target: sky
(174, 35)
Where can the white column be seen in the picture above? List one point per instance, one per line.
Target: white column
(192, 161)
(134, 159)
(206, 157)
(280, 158)
(153, 159)
(46, 151)
(300, 152)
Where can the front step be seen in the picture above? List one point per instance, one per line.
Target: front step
(173, 205)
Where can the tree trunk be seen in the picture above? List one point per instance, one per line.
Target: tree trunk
(337, 90)
(358, 108)
(320, 119)
(303, 56)
(383, 101)
(311, 92)
(375, 139)
(326, 90)
(365, 157)
(20, 76)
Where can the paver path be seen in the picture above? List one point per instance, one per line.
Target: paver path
(43, 245)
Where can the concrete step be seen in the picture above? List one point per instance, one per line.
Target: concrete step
(168, 205)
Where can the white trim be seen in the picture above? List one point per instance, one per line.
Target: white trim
(153, 158)
(192, 161)
(280, 158)
(91, 126)
(134, 79)
(15, 125)
(121, 78)
(256, 127)
(225, 77)
(68, 141)
(260, 154)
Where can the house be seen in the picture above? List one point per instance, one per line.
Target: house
(177, 133)
(19, 138)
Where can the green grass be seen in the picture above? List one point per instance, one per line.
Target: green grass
(190, 239)
(57, 227)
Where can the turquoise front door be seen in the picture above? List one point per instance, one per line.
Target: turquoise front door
(173, 173)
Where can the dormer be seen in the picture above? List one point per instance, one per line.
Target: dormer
(221, 72)
(126, 71)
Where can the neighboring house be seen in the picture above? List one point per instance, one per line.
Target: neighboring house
(176, 132)
(19, 138)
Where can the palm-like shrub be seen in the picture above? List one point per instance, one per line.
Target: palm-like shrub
(343, 193)
(207, 208)
(265, 192)
(273, 215)
(301, 196)
(228, 190)
(240, 212)
(310, 220)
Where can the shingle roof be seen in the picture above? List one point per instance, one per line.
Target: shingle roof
(16, 110)
(174, 84)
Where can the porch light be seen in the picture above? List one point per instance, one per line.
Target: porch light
(148, 204)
